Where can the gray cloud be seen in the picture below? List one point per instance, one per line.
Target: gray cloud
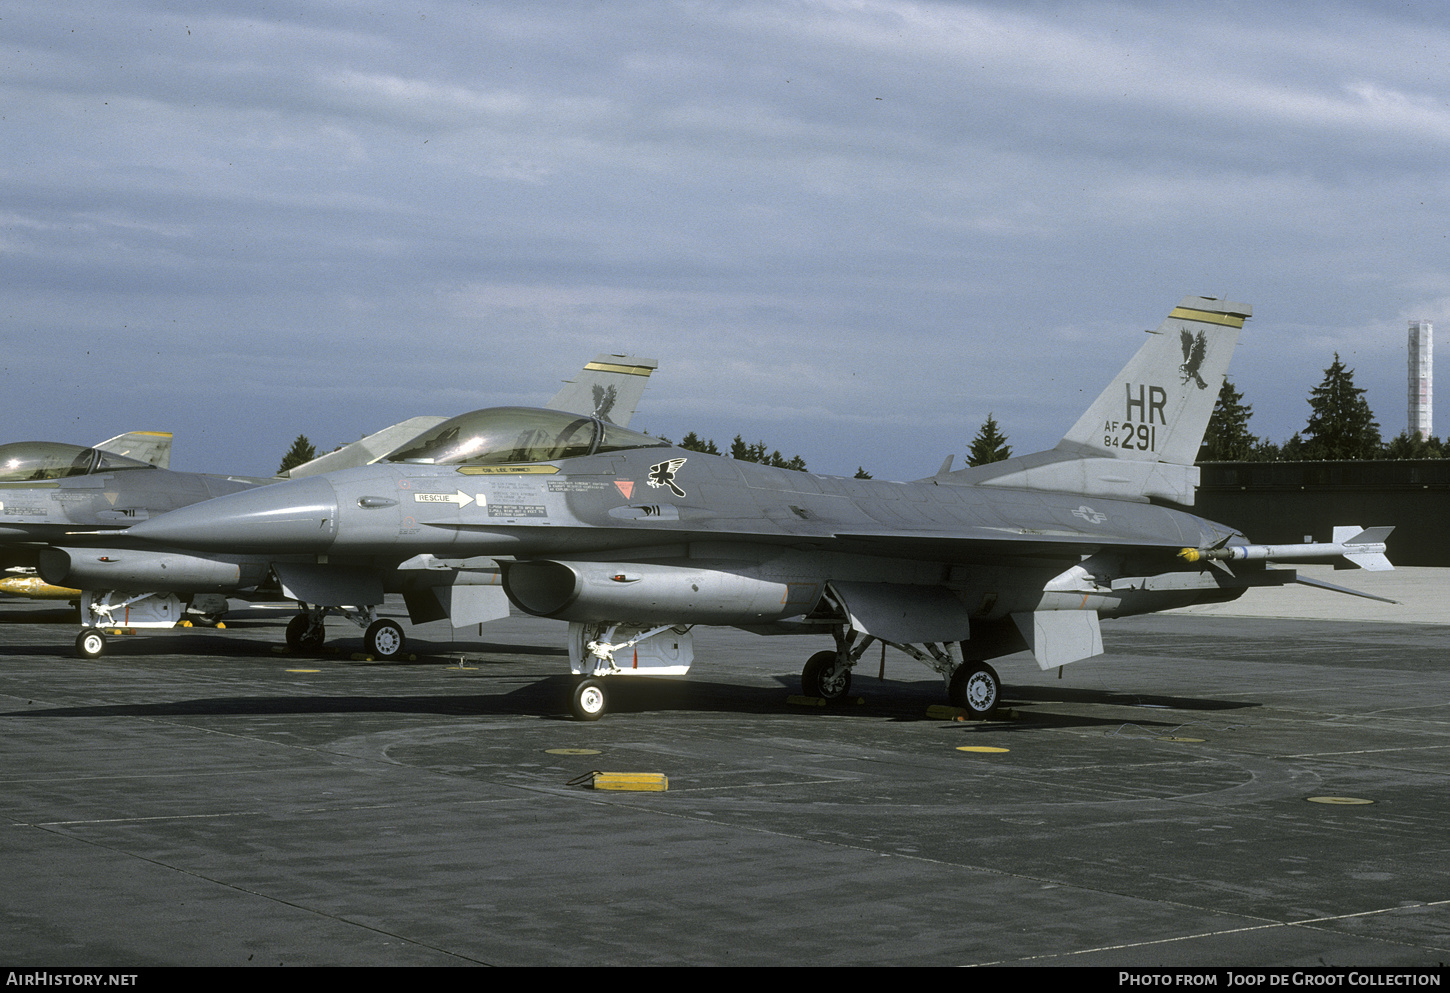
(852, 229)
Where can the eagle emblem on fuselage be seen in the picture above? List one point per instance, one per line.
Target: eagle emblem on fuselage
(663, 474)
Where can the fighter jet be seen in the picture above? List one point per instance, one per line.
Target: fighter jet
(633, 541)
(60, 506)
(50, 490)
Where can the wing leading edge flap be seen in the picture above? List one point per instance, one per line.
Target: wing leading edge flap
(1058, 637)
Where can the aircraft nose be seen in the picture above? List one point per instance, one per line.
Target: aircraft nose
(295, 516)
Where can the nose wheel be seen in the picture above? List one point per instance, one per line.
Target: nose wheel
(90, 644)
(587, 699)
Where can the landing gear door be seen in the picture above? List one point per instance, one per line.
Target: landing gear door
(1058, 637)
(904, 614)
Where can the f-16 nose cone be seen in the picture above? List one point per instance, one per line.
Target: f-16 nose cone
(295, 516)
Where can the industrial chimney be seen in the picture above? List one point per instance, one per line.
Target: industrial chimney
(1422, 370)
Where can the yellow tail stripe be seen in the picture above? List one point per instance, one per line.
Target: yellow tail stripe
(1207, 317)
(628, 370)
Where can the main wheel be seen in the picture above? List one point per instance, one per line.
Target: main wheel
(587, 700)
(302, 637)
(975, 688)
(384, 638)
(826, 676)
(90, 644)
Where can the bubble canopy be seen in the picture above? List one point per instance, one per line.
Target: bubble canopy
(502, 435)
(29, 461)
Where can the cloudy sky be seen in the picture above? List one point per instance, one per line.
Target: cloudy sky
(851, 229)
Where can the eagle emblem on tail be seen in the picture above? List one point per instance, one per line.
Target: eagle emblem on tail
(604, 398)
(1195, 349)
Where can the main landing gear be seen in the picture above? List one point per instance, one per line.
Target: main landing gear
(972, 685)
(382, 638)
(826, 676)
(975, 688)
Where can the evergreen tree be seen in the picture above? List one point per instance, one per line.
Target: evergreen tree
(990, 445)
(1341, 425)
(1227, 438)
(757, 453)
(692, 442)
(301, 451)
(861, 473)
(1408, 446)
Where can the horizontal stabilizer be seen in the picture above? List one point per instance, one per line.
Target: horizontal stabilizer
(329, 585)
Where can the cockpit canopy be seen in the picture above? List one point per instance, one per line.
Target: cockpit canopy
(28, 461)
(502, 435)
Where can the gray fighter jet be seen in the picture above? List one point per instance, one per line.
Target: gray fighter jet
(60, 506)
(49, 491)
(633, 541)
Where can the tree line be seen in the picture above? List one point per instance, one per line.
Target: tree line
(1341, 427)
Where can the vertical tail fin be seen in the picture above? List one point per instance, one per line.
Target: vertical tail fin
(1157, 408)
(147, 446)
(608, 388)
(1141, 436)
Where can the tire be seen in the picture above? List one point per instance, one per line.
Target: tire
(976, 688)
(90, 644)
(301, 637)
(384, 639)
(825, 676)
(587, 701)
